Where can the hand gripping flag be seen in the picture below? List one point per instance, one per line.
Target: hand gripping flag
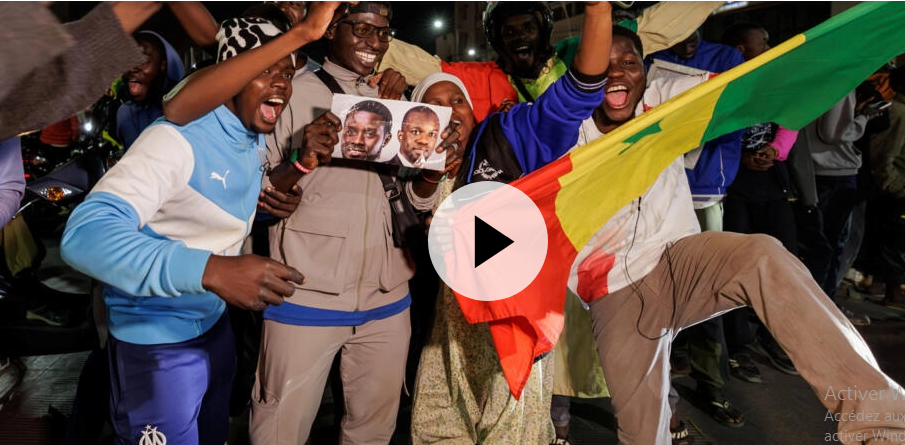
(792, 84)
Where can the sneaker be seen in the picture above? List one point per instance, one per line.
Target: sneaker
(741, 366)
(721, 409)
(680, 434)
(770, 349)
(47, 316)
(854, 276)
(688, 434)
(856, 318)
(561, 441)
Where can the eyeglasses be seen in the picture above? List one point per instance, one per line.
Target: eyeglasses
(364, 30)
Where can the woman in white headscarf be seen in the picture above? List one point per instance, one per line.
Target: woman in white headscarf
(461, 395)
(460, 391)
(448, 91)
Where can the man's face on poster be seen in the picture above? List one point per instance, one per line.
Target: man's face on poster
(418, 136)
(363, 136)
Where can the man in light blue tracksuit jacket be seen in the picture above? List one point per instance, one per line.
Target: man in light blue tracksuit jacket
(162, 231)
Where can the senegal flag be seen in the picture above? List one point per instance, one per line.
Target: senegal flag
(791, 85)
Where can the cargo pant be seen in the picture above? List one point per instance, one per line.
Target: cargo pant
(704, 275)
(293, 368)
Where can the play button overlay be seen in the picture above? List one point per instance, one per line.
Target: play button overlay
(487, 241)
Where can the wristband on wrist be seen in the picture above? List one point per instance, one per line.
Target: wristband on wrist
(294, 159)
(298, 165)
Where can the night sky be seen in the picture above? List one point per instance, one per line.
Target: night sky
(413, 20)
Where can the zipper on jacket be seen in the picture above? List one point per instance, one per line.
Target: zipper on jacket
(361, 269)
(721, 190)
(247, 187)
(635, 229)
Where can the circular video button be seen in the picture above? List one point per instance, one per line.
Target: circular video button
(488, 241)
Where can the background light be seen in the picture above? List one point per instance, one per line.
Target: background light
(471, 51)
(438, 24)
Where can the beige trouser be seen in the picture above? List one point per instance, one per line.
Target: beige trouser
(292, 372)
(703, 275)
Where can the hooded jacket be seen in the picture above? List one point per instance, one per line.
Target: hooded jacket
(831, 139)
(132, 118)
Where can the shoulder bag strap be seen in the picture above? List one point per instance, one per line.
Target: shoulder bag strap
(522, 89)
(329, 81)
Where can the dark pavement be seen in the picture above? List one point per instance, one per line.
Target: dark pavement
(782, 410)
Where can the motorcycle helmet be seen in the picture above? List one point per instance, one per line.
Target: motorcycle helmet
(497, 11)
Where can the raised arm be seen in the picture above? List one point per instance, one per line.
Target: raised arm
(132, 14)
(547, 129)
(99, 50)
(197, 22)
(596, 35)
(210, 87)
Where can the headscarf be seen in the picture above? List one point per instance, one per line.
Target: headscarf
(429, 81)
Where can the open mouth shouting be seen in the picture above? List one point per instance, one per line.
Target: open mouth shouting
(136, 87)
(524, 53)
(617, 96)
(271, 108)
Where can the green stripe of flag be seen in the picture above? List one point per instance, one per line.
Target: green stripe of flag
(798, 82)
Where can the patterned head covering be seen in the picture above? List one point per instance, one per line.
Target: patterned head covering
(429, 81)
(757, 136)
(242, 34)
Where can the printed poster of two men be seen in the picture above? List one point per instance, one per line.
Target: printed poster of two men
(390, 131)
